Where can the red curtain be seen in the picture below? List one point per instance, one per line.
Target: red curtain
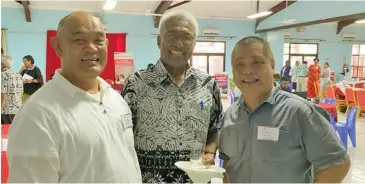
(53, 62)
(117, 43)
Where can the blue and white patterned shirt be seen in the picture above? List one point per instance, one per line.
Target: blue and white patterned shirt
(166, 117)
(12, 87)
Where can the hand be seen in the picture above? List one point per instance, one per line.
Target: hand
(208, 159)
(27, 81)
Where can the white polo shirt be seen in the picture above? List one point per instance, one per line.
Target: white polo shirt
(63, 134)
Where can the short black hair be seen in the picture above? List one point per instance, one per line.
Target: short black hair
(29, 58)
(249, 40)
(285, 78)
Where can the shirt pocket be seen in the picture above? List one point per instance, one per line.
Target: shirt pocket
(275, 151)
(127, 125)
(229, 143)
(231, 146)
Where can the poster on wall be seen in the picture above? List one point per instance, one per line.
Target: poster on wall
(222, 81)
(124, 65)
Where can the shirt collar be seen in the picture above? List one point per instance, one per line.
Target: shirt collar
(163, 74)
(270, 99)
(6, 69)
(71, 89)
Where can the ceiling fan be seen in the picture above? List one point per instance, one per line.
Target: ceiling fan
(286, 19)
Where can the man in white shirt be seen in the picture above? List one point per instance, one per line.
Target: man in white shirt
(75, 129)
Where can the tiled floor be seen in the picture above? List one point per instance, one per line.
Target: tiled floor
(357, 170)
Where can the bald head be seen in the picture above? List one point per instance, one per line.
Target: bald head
(76, 18)
(82, 46)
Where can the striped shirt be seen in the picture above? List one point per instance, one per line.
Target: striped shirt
(302, 71)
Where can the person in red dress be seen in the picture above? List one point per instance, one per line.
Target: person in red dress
(313, 79)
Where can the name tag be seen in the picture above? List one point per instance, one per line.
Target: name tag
(126, 121)
(268, 133)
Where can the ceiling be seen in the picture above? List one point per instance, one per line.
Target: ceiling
(200, 8)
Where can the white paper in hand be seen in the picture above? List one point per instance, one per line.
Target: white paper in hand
(28, 77)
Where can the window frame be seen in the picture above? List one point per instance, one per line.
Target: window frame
(211, 54)
(298, 54)
(360, 69)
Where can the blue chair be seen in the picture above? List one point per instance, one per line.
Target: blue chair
(329, 101)
(333, 122)
(348, 128)
(232, 97)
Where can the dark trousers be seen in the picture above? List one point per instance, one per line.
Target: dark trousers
(295, 85)
(7, 118)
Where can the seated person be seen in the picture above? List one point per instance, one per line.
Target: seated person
(284, 84)
(276, 80)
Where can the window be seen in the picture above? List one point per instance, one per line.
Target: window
(209, 57)
(300, 52)
(210, 47)
(357, 61)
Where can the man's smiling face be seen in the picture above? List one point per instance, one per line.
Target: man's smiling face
(176, 42)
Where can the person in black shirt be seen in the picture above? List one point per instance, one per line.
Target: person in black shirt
(30, 85)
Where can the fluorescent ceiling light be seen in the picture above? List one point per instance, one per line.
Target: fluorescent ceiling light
(110, 4)
(261, 14)
(360, 21)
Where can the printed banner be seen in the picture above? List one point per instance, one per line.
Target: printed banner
(124, 65)
(222, 82)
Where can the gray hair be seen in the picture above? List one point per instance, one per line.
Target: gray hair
(254, 40)
(182, 15)
(7, 61)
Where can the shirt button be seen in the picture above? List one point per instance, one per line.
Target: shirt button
(247, 158)
(249, 137)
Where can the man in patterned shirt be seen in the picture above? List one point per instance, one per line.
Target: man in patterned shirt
(171, 102)
(11, 90)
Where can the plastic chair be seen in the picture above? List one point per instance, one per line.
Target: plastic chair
(5, 130)
(348, 128)
(333, 122)
(329, 101)
(360, 101)
(350, 98)
(330, 91)
(232, 97)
